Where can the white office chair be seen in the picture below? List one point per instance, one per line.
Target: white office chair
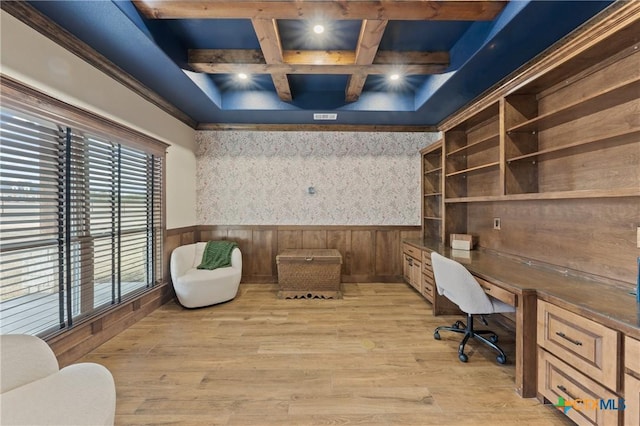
(458, 285)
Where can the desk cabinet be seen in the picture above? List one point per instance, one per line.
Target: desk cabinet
(585, 344)
(632, 381)
(578, 359)
(412, 266)
(557, 382)
(428, 281)
(418, 273)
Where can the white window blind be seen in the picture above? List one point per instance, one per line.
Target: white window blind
(80, 224)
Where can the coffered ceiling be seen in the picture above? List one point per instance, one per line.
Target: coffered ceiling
(380, 63)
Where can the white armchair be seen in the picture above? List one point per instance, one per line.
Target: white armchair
(34, 391)
(202, 287)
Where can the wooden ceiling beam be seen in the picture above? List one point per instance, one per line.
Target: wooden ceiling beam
(314, 57)
(319, 57)
(406, 10)
(371, 33)
(269, 38)
(231, 68)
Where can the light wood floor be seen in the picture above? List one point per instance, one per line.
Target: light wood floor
(368, 359)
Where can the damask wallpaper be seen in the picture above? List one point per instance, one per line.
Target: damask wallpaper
(263, 178)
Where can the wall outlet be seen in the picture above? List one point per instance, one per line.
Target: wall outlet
(496, 223)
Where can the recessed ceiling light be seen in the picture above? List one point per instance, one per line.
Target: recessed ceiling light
(318, 29)
(242, 76)
(394, 77)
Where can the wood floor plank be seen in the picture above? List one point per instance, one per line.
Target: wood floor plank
(367, 359)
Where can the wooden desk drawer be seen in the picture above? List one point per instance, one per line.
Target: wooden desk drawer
(428, 288)
(412, 251)
(427, 269)
(632, 400)
(587, 345)
(558, 380)
(497, 292)
(428, 277)
(426, 258)
(632, 356)
(632, 381)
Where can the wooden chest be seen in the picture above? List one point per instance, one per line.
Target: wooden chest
(309, 273)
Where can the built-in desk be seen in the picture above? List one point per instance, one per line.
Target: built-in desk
(605, 304)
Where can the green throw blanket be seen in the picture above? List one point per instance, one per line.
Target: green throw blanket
(217, 254)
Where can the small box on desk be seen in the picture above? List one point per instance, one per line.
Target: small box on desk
(462, 241)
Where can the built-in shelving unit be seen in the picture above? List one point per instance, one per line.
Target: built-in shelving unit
(432, 180)
(623, 91)
(575, 136)
(472, 156)
(559, 139)
(615, 136)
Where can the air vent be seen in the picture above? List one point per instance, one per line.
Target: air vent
(325, 116)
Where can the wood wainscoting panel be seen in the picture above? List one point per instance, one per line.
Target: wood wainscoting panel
(244, 238)
(262, 256)
(314, 238)
(340, 239)
(369, 253)
(213, 234)
(289, 239)
(387, 252)
(363, 252)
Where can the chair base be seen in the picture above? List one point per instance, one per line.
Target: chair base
(469, 333)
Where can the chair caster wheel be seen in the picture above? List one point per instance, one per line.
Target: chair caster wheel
(494, 338)
(436, 335)
(501, 359)
(463, 357)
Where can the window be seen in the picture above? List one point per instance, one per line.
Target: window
(81, 221)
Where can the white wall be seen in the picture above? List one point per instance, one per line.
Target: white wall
(261, 178)
(33, 59)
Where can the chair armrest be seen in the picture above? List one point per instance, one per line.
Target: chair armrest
(81, 395)
(181, 261)
(236, 259)
(24, 359)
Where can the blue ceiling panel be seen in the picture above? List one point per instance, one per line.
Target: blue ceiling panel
(381, 83)
(212, 33)
(317, 83)
(230, 82)
(422, 35)
(299, 35)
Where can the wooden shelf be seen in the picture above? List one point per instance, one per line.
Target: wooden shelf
(482, 167)
(477, 118)
(626, 132)
(478, 199)
(557, 195)
(620, 93)
(432, 187)
(474, 144)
